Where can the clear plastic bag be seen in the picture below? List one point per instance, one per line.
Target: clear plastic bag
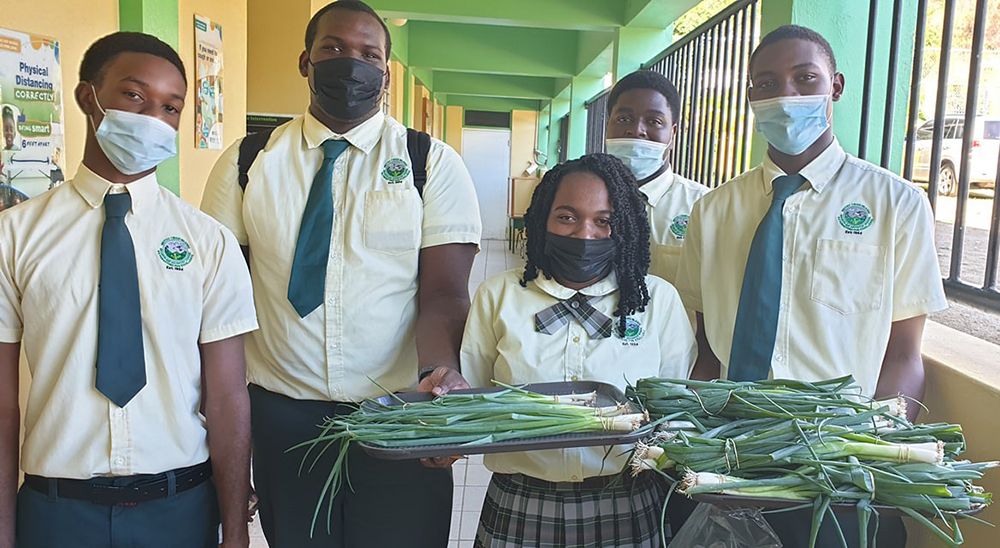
(712, 527)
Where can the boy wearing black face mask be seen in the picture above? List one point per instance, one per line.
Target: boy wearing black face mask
(582, 309)
(358, 277)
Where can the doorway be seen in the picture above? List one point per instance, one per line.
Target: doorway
(487, 155)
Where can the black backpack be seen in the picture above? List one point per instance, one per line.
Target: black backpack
(418, 144)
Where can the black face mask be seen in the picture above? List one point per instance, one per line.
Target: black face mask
(347, 88)
(578, 260)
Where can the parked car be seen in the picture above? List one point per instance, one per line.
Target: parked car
(982, 155)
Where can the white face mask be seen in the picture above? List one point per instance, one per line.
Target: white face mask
(134, 143)
(791, 124)
(642, 157)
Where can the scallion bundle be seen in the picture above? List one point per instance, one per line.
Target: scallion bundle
(467, 420)
(813, 443)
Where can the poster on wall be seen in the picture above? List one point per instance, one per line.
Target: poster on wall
(208, 99)
(31, 110)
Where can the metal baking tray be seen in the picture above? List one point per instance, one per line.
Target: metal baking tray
(769, 503)
(607, 395)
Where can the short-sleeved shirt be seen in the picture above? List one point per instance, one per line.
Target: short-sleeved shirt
(193, 288)
(364, 330)
(500, 343)
(669, 199)
(858, 255)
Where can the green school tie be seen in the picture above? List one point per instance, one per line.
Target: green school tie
(121, 365)
(307, 282)
(757, 316)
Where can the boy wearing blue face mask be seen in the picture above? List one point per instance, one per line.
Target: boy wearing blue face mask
(643, 111)
(814, 264)
(583, 308)
(130, 306)
(360, 247)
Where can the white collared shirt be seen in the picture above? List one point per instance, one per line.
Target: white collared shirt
(669, 199)
(364, 331)
(500, 343)
(195, 291)
(858, 255)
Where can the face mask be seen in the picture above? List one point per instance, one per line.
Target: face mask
(791, 124)
(642, 157)
(347, 88)
(133, 142)
(578, 260)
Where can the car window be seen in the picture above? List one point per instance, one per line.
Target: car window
(951, 129)
(926, 131)
(991, 130)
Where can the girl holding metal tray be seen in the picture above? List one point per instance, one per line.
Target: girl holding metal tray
(583, 308)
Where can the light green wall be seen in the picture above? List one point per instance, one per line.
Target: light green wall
(844, 24)
(159, 18)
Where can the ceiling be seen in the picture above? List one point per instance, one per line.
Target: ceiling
(514, 54)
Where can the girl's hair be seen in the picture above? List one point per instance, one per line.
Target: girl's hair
(629, 228)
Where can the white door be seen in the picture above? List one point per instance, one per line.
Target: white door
(487, 155)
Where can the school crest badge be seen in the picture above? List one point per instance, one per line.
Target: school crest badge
(855, 218)
(633, 331)
(679, 226)
(175, 253)
(395, 170)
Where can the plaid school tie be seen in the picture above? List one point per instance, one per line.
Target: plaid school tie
(553, 318)
(757, 316)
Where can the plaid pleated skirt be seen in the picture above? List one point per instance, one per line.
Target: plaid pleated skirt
(522, 511)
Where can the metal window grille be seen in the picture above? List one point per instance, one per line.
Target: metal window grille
(710, 68)
(597, 117)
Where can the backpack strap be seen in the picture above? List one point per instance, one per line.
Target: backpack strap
(250, 147)
(418, 145)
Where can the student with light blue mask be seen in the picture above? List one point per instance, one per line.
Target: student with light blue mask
(643, 111)
(814, 264)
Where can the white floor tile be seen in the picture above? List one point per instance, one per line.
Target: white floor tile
(470, 522)
(457, 496)
(466, 544)
(456, 523)
(477, 474)
(473, 497)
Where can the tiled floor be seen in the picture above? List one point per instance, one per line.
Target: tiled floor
(471, 477)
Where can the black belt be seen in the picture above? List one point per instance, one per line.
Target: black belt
(593, 483)
(143, 488)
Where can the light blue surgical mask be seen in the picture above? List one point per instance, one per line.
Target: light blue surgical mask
(133, 142)
(642, 157)
(791, 124)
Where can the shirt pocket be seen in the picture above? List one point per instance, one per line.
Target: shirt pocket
(849, 277)
(392, 221)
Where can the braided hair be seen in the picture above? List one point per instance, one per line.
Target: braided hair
(629, 228)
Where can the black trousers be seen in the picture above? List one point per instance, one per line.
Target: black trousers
(392, 503)
(189, 519)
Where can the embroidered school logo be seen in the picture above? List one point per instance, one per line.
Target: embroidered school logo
(679, 227)
(175, 253)
(855, 218)
(395, 170)
(633, 332)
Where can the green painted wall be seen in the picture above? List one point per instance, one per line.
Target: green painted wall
(844, 24)
(582, 90)
(495, 104)
(499, 50)
(635, 46)
(159, 18)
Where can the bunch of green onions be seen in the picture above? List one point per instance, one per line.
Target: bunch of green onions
(467, 420)
(816, 443)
